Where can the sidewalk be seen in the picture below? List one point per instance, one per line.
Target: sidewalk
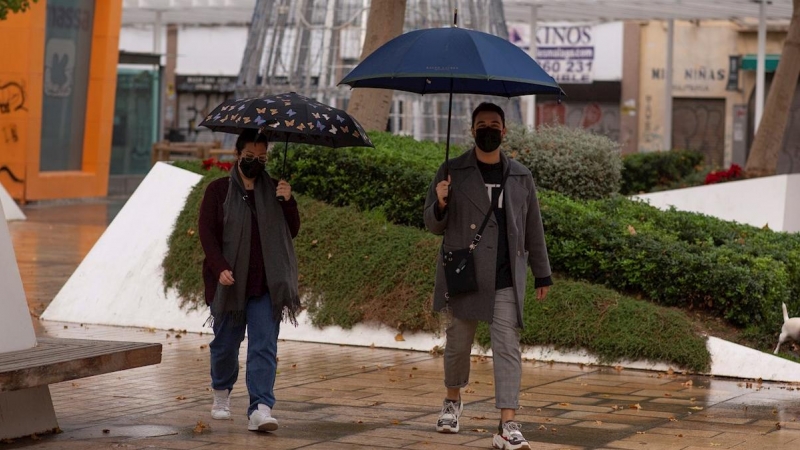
(337, 397)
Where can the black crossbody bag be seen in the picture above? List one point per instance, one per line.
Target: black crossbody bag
(459, 265)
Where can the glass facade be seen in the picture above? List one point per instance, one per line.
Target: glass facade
(68, 49)
(135, 121)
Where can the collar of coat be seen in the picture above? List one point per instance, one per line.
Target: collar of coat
(470, 160)
(470, 180)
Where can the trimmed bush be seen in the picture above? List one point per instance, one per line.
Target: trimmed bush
(392, 178)
(654, 171)
(572, 161)
(675, 258)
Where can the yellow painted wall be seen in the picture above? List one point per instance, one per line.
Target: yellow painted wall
(21, 79)
(699, 47)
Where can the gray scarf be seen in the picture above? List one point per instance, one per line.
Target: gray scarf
(280, 262)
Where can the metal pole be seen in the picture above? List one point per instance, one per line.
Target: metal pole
(761, 61)
(531, 116)
(668, 86)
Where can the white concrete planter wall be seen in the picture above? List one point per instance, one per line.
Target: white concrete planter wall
(13, 212)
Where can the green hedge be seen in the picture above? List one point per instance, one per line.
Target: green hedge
(648, 172)
(738, 272)
(392, 178)
(358, 267)
(675, 258)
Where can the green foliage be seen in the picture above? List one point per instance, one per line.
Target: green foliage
(14, 6)
(737, 272)
(183, 264)
(648, 172)
(392, 178)
(609, 325)
(572, 161)
(357, 267)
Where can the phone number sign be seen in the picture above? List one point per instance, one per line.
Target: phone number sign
(567, 64)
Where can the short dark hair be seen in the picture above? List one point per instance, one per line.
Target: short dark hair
(487, 106)
(250, 136)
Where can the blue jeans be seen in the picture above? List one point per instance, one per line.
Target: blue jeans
(262, 352)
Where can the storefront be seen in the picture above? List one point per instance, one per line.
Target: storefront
(57, 88)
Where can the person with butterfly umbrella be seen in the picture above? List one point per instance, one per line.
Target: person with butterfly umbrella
(246, 226)
(489, 240)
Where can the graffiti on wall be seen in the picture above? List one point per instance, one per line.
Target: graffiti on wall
(12, 97)
(699, 124)
(193, 107)
(600, 118)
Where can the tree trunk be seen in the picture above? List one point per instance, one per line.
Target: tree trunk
(371, 106)
(767, 144)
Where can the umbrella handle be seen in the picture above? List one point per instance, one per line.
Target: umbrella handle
(283, 171)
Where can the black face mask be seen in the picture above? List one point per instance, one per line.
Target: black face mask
(251, 169)
(488, 139)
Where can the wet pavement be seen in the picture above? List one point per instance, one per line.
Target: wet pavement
(339, 397)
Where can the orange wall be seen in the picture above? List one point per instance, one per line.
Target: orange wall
(22, 72)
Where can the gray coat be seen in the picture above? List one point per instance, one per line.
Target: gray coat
(467, 206)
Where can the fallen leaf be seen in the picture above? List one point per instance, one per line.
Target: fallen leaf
(314, 242)
(106, 431)
(673, 419)
(778, 426)
(631, 230)
(180, 397)
(200, 427)
(680, 435)
(414, 368)
(667, 394)
(34, 436)
(294, 366)
(395, 422)
(598, 422)
(542, 427)
(479, 430)
(636, 406)
(640, 432)
(359, 421)
(696, 408)
(619, 368)
(190, 232)
(203, 347)
(399, 337)
(330, 256)
(615, 407)
(563, 404)
(469, 391)
(688, 383)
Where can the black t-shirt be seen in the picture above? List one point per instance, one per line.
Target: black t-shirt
(492, 178)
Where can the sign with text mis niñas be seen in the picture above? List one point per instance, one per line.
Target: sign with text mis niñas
(565, 51)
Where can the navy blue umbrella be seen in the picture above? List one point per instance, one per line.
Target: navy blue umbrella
(452, 60)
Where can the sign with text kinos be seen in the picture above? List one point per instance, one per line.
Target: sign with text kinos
(564, 50)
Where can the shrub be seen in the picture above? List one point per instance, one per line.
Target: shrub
(610, 325)
(675, 258)
(392, 178)
(572, 161)
(647, 172)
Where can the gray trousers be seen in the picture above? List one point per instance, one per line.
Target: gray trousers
(506, 355)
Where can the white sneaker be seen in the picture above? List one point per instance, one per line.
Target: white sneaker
(448, 418)
(262, 420)
(509, 437)
(221, 410)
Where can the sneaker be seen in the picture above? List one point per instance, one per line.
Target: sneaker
(262, 420)
(448, 419)
(509, 437)
(221, 410)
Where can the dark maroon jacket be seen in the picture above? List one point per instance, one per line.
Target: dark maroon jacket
(210, 227)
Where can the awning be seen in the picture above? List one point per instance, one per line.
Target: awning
(749, 62)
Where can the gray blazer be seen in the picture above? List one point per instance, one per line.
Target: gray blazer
(467, 206)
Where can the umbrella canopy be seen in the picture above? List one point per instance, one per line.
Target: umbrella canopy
(289, 117)
(452, 60)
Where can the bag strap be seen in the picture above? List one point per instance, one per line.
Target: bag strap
(479, 234)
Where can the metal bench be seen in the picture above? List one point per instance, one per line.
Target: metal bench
(25, 404)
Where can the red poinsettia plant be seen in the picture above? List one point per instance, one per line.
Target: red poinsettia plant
(721, 176)
(212, 162)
